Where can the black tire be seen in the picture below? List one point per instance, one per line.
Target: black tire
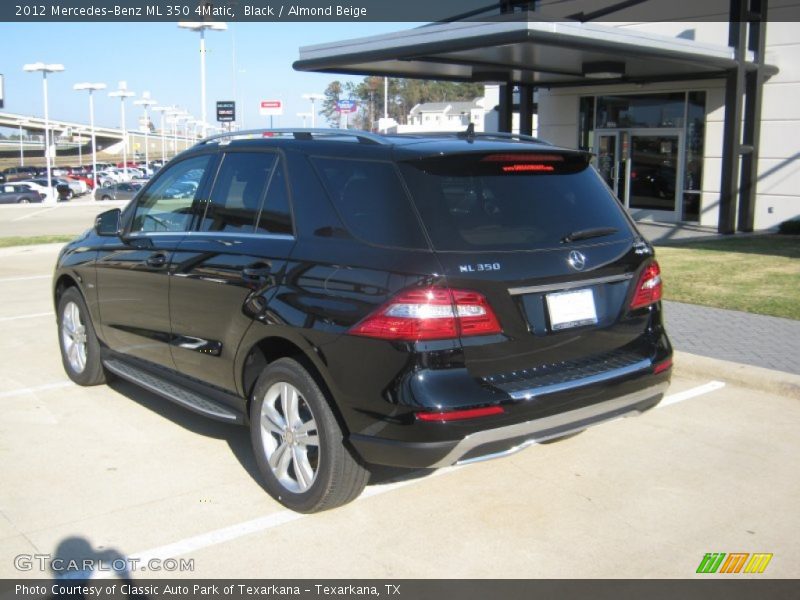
(339, 477)
(106, 197)
(92, 372)
(24, 201)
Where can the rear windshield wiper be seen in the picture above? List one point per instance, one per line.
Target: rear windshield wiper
(585, 234)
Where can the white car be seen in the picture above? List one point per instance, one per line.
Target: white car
(42, 190)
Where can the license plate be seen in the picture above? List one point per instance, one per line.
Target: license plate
(571, 309)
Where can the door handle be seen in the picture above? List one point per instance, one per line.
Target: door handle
(256, 271)
(157, 260)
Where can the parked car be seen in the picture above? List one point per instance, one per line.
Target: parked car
(66, 189)
(40, 187)
(85, 179)
(117, 191)
(18, 194)
(405, 301)
(106, 178)
(20, 173)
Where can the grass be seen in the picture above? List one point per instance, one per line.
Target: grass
(5, 242)
(757, 274)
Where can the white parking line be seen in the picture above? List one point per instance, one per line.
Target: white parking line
(32, 316)
(260, 524)
(26, 278)
(33, 214)
(706, 388)
(39, 388)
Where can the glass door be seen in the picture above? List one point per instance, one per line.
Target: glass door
(653, 165)
(607, 151)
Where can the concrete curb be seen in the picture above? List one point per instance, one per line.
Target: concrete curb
(749, 376)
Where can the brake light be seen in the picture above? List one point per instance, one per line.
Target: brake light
(662, 366)
(648, 288)
(430, 314)
(527, 167)
(460, 415)
(520, 157)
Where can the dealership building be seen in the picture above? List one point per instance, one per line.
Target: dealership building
(693, 122)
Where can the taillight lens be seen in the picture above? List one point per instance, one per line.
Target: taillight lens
(430, 314)
(459, 415)
(648, 288)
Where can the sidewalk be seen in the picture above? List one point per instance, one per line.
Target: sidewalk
(768, 342)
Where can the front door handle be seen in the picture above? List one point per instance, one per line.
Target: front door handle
(156, 260)
(256, 271)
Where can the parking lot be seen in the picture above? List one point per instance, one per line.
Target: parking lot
(119, 471)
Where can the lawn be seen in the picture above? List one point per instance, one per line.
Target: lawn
(5, 242)
(758, 274)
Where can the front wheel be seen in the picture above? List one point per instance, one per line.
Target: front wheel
(298, 445)
(80, 348)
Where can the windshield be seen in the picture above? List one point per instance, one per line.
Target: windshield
(509, 202)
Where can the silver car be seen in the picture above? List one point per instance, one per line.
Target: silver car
(117, 191)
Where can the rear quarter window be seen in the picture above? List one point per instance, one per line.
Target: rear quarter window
(371, 201)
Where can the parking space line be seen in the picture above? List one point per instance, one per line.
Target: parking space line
(26, 278)
(706, 388)
(38, 212)
(271, 521)
(31, 316)
(39, 388)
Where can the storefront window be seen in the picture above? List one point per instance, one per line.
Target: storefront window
(693, 172)
(586, 124)
(645, 110)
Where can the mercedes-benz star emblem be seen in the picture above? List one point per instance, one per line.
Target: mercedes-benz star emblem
(576, 260)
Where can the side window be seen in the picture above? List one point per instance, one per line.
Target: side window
(275, 216)
(238, 192)
(371, 201)
(249, 195)
(167, 205)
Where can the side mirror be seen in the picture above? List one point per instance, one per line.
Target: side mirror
(107, 223)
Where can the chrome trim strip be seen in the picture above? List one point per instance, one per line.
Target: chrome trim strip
(568, 385)
(568, 285)
(603, 411)
(211, 234)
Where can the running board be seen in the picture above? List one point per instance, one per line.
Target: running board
(161, 386)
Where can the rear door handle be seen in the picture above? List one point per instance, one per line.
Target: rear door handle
(158, 259)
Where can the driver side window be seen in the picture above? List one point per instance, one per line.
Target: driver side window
(167, 205)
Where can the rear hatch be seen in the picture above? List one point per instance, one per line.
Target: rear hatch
(543, 239)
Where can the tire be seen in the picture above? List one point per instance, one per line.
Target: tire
(80, 348)
(24, 201)
(307, 477)
(106, 197)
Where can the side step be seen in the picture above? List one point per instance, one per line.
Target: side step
(158, 385)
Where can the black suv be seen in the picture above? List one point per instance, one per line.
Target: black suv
(361, 299)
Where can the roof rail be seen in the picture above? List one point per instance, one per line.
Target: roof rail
(502, 135)
(364, 137)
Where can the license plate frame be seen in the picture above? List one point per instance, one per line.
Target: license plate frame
(571, 309)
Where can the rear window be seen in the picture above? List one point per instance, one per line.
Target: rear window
(506, 202)
(371, 201)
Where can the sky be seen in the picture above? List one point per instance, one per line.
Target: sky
(164, 60)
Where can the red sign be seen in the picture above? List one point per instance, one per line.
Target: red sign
(271, 107)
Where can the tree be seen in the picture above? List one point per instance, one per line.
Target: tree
(333, 94)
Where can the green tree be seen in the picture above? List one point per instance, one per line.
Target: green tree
(333, 94)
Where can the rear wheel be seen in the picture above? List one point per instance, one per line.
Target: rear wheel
(106, 197)
(298, 445)
(80, 349)
(24, 201)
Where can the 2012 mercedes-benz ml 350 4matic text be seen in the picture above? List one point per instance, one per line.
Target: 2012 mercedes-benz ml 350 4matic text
(358, 299)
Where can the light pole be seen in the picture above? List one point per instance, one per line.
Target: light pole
(45, 69)
(146, 102)
(304, 116)
(20, 123)
(122, 92)
(91, 87)
(201, 27)
(163, 110)
(313, 98)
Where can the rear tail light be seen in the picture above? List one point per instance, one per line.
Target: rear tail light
(648, 288)
(430, 314)
(459, 415)
(662, 366)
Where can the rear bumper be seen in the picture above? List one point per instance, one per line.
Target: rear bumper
(505, 440)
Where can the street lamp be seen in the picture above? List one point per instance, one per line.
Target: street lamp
(122, 93)
(304, 116)
(313, 98)
(163, 110)
(91, 87)
(201, 27)
(45, 69)
(20, 123)
(146, 102)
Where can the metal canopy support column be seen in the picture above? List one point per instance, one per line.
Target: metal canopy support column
(754, 84)
(731, 140)
(506, 109)
(526, 109)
